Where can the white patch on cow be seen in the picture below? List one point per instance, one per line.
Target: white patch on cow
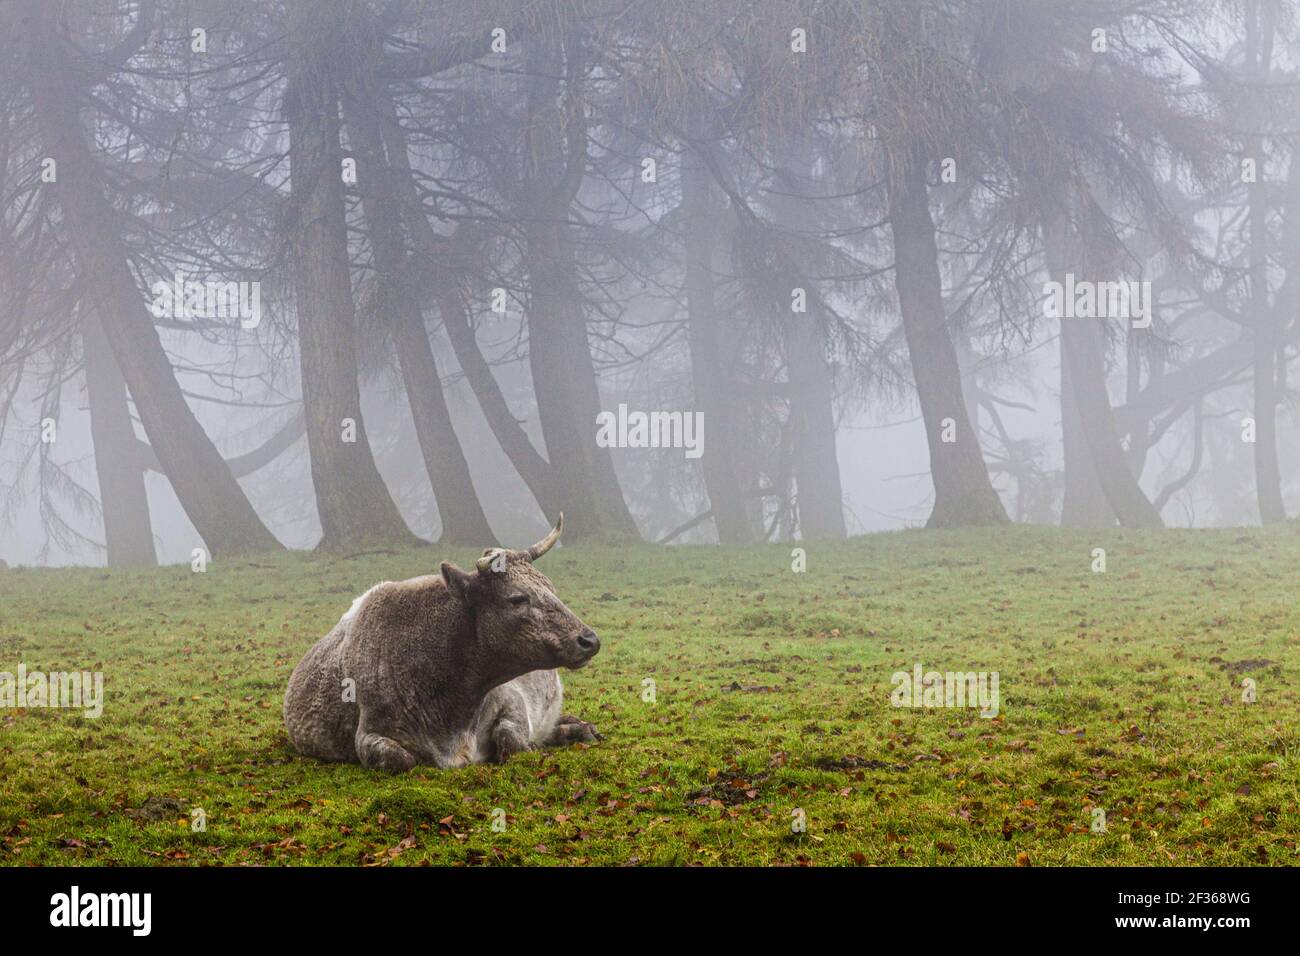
(462, 750)
(527, 715)
(549, 706)
(356, 605)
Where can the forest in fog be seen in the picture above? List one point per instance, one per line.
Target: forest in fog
(350, 274)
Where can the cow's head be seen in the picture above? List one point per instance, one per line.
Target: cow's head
(520, 623)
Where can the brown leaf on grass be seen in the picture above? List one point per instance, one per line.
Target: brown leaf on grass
(393, 852)
(1022, 859)
(854, 762)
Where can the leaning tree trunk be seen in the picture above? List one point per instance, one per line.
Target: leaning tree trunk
(963, 493)
(559, 353)
(1081, 345)
(721, 474)
(128, 532)
(208, 492)
(352, 500)
(463, 520)
(564, 380)
(535, 470)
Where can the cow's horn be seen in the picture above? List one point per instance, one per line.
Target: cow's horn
(484, 564)
(541, 547)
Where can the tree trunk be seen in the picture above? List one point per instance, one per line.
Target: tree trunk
(819, 496)
(963, 493)
(708, 375)
(1082, 351)
(1084, 504)
(242, 465)
(559, 353)
(564, 379)
(968, 362)
(211, 497)
(535, 470)
(1268, 473)
(463, 520)
(354, 505)
(128, 532)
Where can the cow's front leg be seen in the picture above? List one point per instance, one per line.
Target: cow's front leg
(508, 725)
(573, 730)
(377, 752)
(508, 739)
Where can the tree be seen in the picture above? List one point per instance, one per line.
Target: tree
(463, 521)
(700, 213)
(963, 493)
(128, 532)
(355, 506)
(209, 493)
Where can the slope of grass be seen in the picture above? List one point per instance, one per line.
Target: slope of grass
(771, 703)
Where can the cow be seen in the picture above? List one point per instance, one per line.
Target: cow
(444, 670)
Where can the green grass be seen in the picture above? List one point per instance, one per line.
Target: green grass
(1119, 690)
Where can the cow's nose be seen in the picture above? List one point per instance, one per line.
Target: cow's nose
(588, 641)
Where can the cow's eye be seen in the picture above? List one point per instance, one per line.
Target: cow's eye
(518, 599)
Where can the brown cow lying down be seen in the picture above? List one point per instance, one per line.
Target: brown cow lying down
(445, 670)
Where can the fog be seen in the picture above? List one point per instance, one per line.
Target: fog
(841, 264)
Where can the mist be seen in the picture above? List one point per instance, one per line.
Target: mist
(419, 250)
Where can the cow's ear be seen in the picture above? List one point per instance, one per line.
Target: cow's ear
(458, 582)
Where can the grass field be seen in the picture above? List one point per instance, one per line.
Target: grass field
(1119, 690)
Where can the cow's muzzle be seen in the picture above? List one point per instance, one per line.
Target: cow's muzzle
(588, 646)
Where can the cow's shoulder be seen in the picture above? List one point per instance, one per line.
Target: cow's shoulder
(415, 602)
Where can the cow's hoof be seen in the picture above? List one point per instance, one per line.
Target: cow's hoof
(377, 752)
